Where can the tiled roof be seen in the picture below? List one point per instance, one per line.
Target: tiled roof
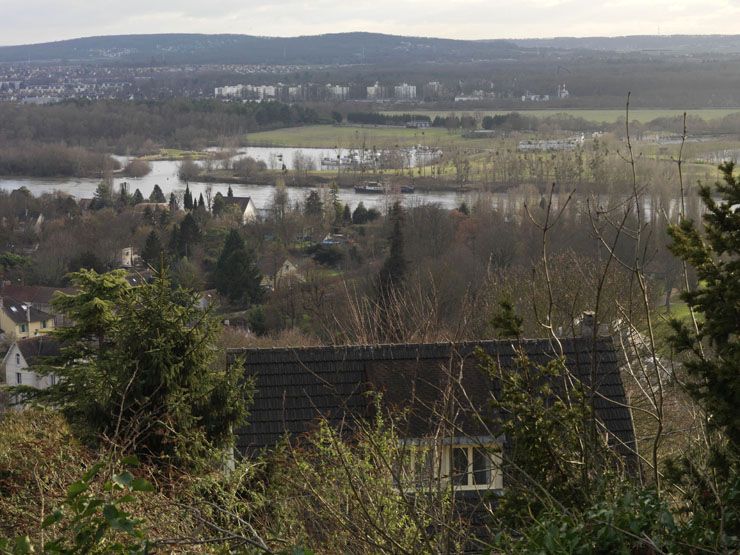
(16, 311)
(36, 294)
(295, 386)
(39, 346)
(242, 202)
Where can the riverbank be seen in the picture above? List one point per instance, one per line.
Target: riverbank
(314, 179)
(176, 155)
(347, 136)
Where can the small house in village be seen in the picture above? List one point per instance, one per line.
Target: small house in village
(21, 319)
(441, 388)
(246, 207)
(278, 275)
(20, 358)
(126, 258)
(135, 278)
(38, 296)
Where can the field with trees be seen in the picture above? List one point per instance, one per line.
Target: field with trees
(613, 115)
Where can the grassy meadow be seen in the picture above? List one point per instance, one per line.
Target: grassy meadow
(331, 136)
(596, 116)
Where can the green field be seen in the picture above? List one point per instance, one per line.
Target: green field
(330, 136)
(597, 116)
(174, 154)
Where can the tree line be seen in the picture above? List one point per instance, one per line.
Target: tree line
(126, 127)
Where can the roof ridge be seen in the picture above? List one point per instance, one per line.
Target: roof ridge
(369, 346)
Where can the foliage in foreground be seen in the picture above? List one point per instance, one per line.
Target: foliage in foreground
(139, 367)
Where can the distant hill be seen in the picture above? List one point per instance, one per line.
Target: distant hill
(695, 44)
(341, 48)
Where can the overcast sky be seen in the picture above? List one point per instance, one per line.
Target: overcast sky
(28, 21)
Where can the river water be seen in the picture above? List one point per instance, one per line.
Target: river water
(164, 174)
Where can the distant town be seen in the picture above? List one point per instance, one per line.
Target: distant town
(403, 92)
(45, 84)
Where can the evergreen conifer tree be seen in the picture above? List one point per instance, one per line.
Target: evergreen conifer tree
(103, 195)
(124, 198)
(359, 216)
(347, 215)
(157, 195)
(138, 367)
(394, 269)
(137, 198)
(336, 205)
(185, 236)
(152, 250)
(187, 198)
(313, 207)
(236, 275)
(714, 351)
(219, 205)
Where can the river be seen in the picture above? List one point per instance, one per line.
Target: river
(164, 174)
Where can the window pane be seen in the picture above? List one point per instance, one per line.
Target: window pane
(481, 466)
(460, 466)
(405, 467)
(424, 461)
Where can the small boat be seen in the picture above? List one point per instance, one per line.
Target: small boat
(326, 161)
(407, 189)
(370, 188)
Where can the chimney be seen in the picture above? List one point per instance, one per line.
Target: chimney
(28, 315)
(588, 323)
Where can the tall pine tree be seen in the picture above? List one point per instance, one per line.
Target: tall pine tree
(714, 350)
(152, 251)
(137, 198)
(394, 269)
(157, 195)
(236, 275)
(138, 367)
(187, 200)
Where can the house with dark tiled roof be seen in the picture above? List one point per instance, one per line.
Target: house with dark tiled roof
(137, 278)
(38, 296)
(22, 356)
(20, 319)
(294, 388)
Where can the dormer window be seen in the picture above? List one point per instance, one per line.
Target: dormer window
(467, 465)
(471, 466)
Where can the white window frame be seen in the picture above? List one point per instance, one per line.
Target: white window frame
(19, 378)
(442, 452)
